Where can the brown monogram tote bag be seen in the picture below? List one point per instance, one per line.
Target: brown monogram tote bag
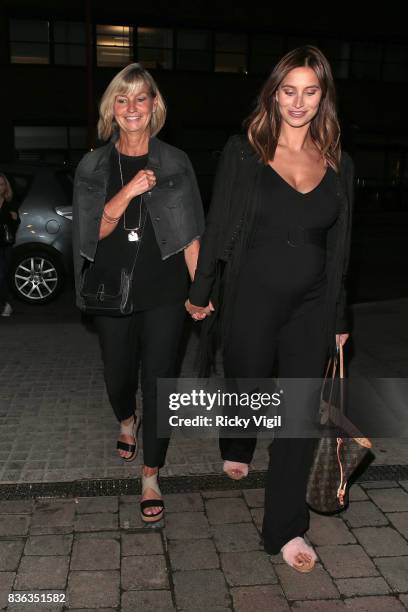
(335, 458)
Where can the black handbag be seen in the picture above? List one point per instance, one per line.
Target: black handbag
(335, 458)
(102, 295)
(106, 298)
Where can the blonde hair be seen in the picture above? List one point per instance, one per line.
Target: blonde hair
(8, 196)
(129, 80)
(264, 124)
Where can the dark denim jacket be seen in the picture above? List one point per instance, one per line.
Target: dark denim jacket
(174, 204)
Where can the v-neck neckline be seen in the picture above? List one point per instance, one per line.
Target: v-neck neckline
(301, 193)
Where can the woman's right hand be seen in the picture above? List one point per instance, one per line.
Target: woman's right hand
(143, 181)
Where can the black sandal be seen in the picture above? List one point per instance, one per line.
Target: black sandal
(130, 448)
(150, 482)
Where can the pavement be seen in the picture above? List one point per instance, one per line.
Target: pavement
(57, 540)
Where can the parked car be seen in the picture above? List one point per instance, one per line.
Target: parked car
(42, 254)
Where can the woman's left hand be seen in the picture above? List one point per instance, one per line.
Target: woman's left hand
(341, 339)
(198, 313)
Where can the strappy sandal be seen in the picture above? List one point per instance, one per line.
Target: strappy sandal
(235, 469)
(291, 550)
(130, 448)
(150, 482)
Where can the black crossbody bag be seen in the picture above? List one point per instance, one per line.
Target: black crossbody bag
(102, 296)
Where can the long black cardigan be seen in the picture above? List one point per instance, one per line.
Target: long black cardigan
(228, 229)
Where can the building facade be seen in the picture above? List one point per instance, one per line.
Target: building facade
(209, 60)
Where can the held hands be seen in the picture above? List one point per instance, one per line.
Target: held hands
(143, 181)
(198, 313)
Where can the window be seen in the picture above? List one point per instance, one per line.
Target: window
(29, 42)
(69, 43)
(114, 45)
(51, 143)
(40, 137)
(338, 54)
(194, 50)
(366, 61)
(155, 48)
(265, 52)
(395, 63)
(230, 52)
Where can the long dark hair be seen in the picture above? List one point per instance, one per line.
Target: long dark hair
(264, 124)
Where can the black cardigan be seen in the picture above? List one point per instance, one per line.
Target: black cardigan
(229, 224)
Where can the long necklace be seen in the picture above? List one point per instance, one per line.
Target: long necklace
(133, 235)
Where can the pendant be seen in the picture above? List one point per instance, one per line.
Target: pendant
(133, 236)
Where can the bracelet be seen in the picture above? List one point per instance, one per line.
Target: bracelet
(108, 218)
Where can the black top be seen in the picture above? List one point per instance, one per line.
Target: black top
(288, 276)
(155, 282)
(283, 206)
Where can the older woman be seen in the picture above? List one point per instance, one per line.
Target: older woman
(9, 221)
(279, 227)
(137, 219)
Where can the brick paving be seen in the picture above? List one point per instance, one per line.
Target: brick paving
(202, 557)
(56, 426)
(56, 423)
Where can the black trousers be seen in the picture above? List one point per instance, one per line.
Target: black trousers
(149, 338)
(299, 344)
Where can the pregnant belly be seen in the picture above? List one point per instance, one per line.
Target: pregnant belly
(288, 272)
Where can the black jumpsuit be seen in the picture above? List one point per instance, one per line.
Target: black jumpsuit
(279, 314)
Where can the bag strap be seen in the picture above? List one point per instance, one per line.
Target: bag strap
(332, 363)
(341, 376)
(338, 416)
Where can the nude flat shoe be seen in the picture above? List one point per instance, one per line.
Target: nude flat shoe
(292, 549)
(235, 469)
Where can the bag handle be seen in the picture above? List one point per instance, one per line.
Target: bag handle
(332, 363)
(345, 422)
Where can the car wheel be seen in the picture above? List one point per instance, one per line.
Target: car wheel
(37, 277)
